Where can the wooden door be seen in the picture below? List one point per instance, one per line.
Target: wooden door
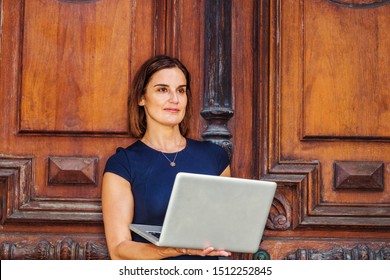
(306, 105)
(328, 129)
(66, 67)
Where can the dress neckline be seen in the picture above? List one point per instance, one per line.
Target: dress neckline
(157, 151)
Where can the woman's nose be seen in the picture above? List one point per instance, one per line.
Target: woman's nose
(174, 97)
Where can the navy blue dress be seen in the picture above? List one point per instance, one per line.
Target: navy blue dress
(151, 176)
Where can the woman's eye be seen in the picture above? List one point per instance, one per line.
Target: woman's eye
(181, 91)
(162, 89)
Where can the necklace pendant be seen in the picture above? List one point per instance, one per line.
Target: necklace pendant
(173, 164)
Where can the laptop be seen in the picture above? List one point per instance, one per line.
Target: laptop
(225, 213)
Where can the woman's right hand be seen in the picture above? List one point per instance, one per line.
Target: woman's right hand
(209, 251)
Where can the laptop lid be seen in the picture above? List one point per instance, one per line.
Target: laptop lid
(223, 212)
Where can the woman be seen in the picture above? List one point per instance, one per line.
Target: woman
(138, 180)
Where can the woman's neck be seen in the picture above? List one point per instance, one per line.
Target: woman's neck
(165, 142)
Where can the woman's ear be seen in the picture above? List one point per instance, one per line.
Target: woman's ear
(142, 101)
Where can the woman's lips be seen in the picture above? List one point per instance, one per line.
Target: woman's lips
(172, 110)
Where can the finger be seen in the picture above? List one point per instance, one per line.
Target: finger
(202, 253)
(182, 250)
(207, 251)
(211, 252)
(220, 253)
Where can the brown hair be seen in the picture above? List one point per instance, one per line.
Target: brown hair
(137, 117)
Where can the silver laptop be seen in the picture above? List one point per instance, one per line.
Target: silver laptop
(222, 212)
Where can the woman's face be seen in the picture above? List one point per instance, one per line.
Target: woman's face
(165, 98)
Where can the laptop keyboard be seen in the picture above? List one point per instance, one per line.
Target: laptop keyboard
(155, 233)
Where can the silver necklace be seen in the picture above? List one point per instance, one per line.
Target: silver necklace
(171, 163)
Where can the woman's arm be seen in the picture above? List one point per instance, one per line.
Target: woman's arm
(118, 210)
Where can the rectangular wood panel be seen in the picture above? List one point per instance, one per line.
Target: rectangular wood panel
(346, 89)
(76, 59)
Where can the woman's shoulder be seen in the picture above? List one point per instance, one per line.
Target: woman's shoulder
(125, 152)
(198, 143)
(124, 160)
(210, 154)
(203, 145)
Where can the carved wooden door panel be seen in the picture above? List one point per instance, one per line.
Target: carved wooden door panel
(328, 129)
(65, 70)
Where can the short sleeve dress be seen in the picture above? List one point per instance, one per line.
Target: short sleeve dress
(151, 176)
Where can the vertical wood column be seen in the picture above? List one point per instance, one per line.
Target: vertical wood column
(217, 104)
